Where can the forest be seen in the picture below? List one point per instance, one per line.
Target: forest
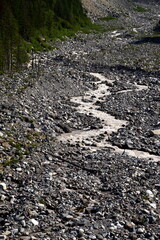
(29, 24)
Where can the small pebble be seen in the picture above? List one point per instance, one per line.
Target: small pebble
(3, 237)
(150, 193)
(153, 205)
(140, 230)
(3, 197)
(34, 222)
(15, 231)
(23, 223)
(1, 134)
(3, 186)
(81, 232)
(19, 169)
(92, 237)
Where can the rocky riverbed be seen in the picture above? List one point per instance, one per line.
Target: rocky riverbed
(80, 137)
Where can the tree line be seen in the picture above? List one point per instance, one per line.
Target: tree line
(24, 23)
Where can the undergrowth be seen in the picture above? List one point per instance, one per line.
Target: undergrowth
(140, 9)
(108, 18)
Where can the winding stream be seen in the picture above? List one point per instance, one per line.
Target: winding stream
(89, 137)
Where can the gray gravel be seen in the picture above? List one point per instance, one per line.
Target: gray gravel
(54, 190)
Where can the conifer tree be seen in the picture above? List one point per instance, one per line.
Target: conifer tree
(23, 22)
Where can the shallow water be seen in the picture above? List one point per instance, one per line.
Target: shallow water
(89, 137)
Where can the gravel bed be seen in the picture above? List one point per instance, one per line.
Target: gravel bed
(65, 191)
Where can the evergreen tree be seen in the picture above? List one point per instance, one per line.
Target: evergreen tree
(23, 21)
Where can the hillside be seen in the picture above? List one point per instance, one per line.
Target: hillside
(101, 8)
(29, 24)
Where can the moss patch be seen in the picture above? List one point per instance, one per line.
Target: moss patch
(108, 18)
(140, 9)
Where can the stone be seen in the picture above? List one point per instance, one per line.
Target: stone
(19, 169)
(152, 238)
(15, 231)
(1, 134)
(37, 130)
(156, 132)
(3, 197)
(3, 186)
(34, 222)
(6, 145)
(129, 143)
(80, 232)
(150, 193)
(113, 227)
(157, 186)
(153, 205)
(40, 205)
(23, 222)
(50, 158)
(19, 217)
(67, 216)
(92, 237)
(152, 219)
(12, 200)
(130, 226)
(7, 233)
(22, 230)
(25, 238)
(119, 225)
(140, 230)
(3, 237)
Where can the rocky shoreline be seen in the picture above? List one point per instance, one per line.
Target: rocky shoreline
(54, 187)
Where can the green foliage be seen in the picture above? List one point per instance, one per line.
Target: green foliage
(13, 51)
(140, 9)
(26, 23)
(108, 18)
(9, 162)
